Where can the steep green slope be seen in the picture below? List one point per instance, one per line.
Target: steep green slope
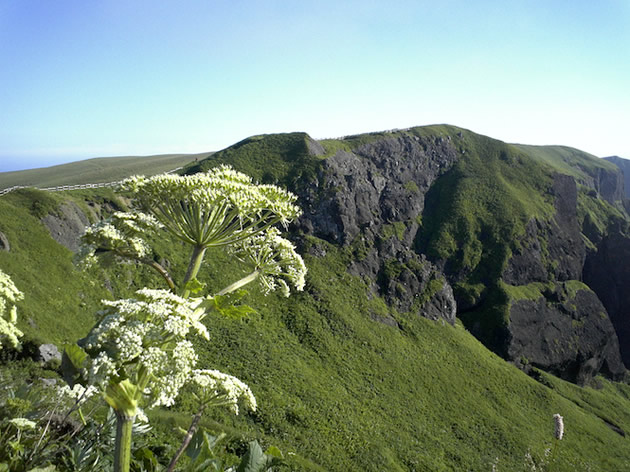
(336, 388)
(91, 171)
(288, 159)
(350, 393)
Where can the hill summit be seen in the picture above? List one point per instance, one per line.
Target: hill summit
(511, 239)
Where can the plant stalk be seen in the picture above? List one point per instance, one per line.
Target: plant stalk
(239, 283)
(189, 435)
(193, 267)
(122, 452)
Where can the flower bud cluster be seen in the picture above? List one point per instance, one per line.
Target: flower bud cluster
(9, 295)
(227, 388)
(120, 234)
(275, 258)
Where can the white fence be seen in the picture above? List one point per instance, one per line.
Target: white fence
(71, 187)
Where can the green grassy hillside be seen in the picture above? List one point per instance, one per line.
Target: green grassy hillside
(91, 171)
(567, 160)
(337, 389)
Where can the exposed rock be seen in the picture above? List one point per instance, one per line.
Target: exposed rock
(67, 228)
(571, 337)
(574, 339)
(4, 243)
(609, 183)
(624, 165)
(382, 182)
(370, 200)
(526, 264)
(550, 250)
(314, 147)
(47, 353)
(607, 272)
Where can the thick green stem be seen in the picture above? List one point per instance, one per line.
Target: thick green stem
(239, 283)
(193, 267)
(122, 452)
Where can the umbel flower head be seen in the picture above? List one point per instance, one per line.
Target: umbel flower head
(216, 208)
(559, 426)
(275, 259)
(145, 336)
(121, 234)
(9, 296)
(217, 388)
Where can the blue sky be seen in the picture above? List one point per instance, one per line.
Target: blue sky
(82, 79)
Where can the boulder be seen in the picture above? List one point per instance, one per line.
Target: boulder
(48, 352)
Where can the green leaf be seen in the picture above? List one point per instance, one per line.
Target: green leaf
(274, 452)
(72, 362)
(254, 460)
(228, 305)
(201, 450)
(75, 354)
(194, 286)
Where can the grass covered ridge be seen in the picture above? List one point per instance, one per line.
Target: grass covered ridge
(97, 170)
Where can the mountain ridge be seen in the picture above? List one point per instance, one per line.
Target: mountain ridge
(399, 229)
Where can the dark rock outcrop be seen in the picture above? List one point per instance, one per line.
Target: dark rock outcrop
(624, 165)
(609, 185)
(570, 336)
(607, 272)
(567, 334)
(370, 200)
(550, 250)
(4, 242)
(67, 226)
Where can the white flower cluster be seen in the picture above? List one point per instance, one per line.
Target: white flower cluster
(9, 295)
(78, 393)
(276, 260)
(225, 387)
(146, 332)
(212, 209)
(23, 423)
(119, 234)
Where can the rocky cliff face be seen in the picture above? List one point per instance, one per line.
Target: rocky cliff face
(607, 272)
(568, 334)
(624, 166)
(371, 201)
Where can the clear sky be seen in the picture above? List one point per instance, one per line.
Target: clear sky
(82, 79)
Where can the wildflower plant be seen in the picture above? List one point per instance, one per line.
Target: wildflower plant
(9, 296)
(139, 354)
